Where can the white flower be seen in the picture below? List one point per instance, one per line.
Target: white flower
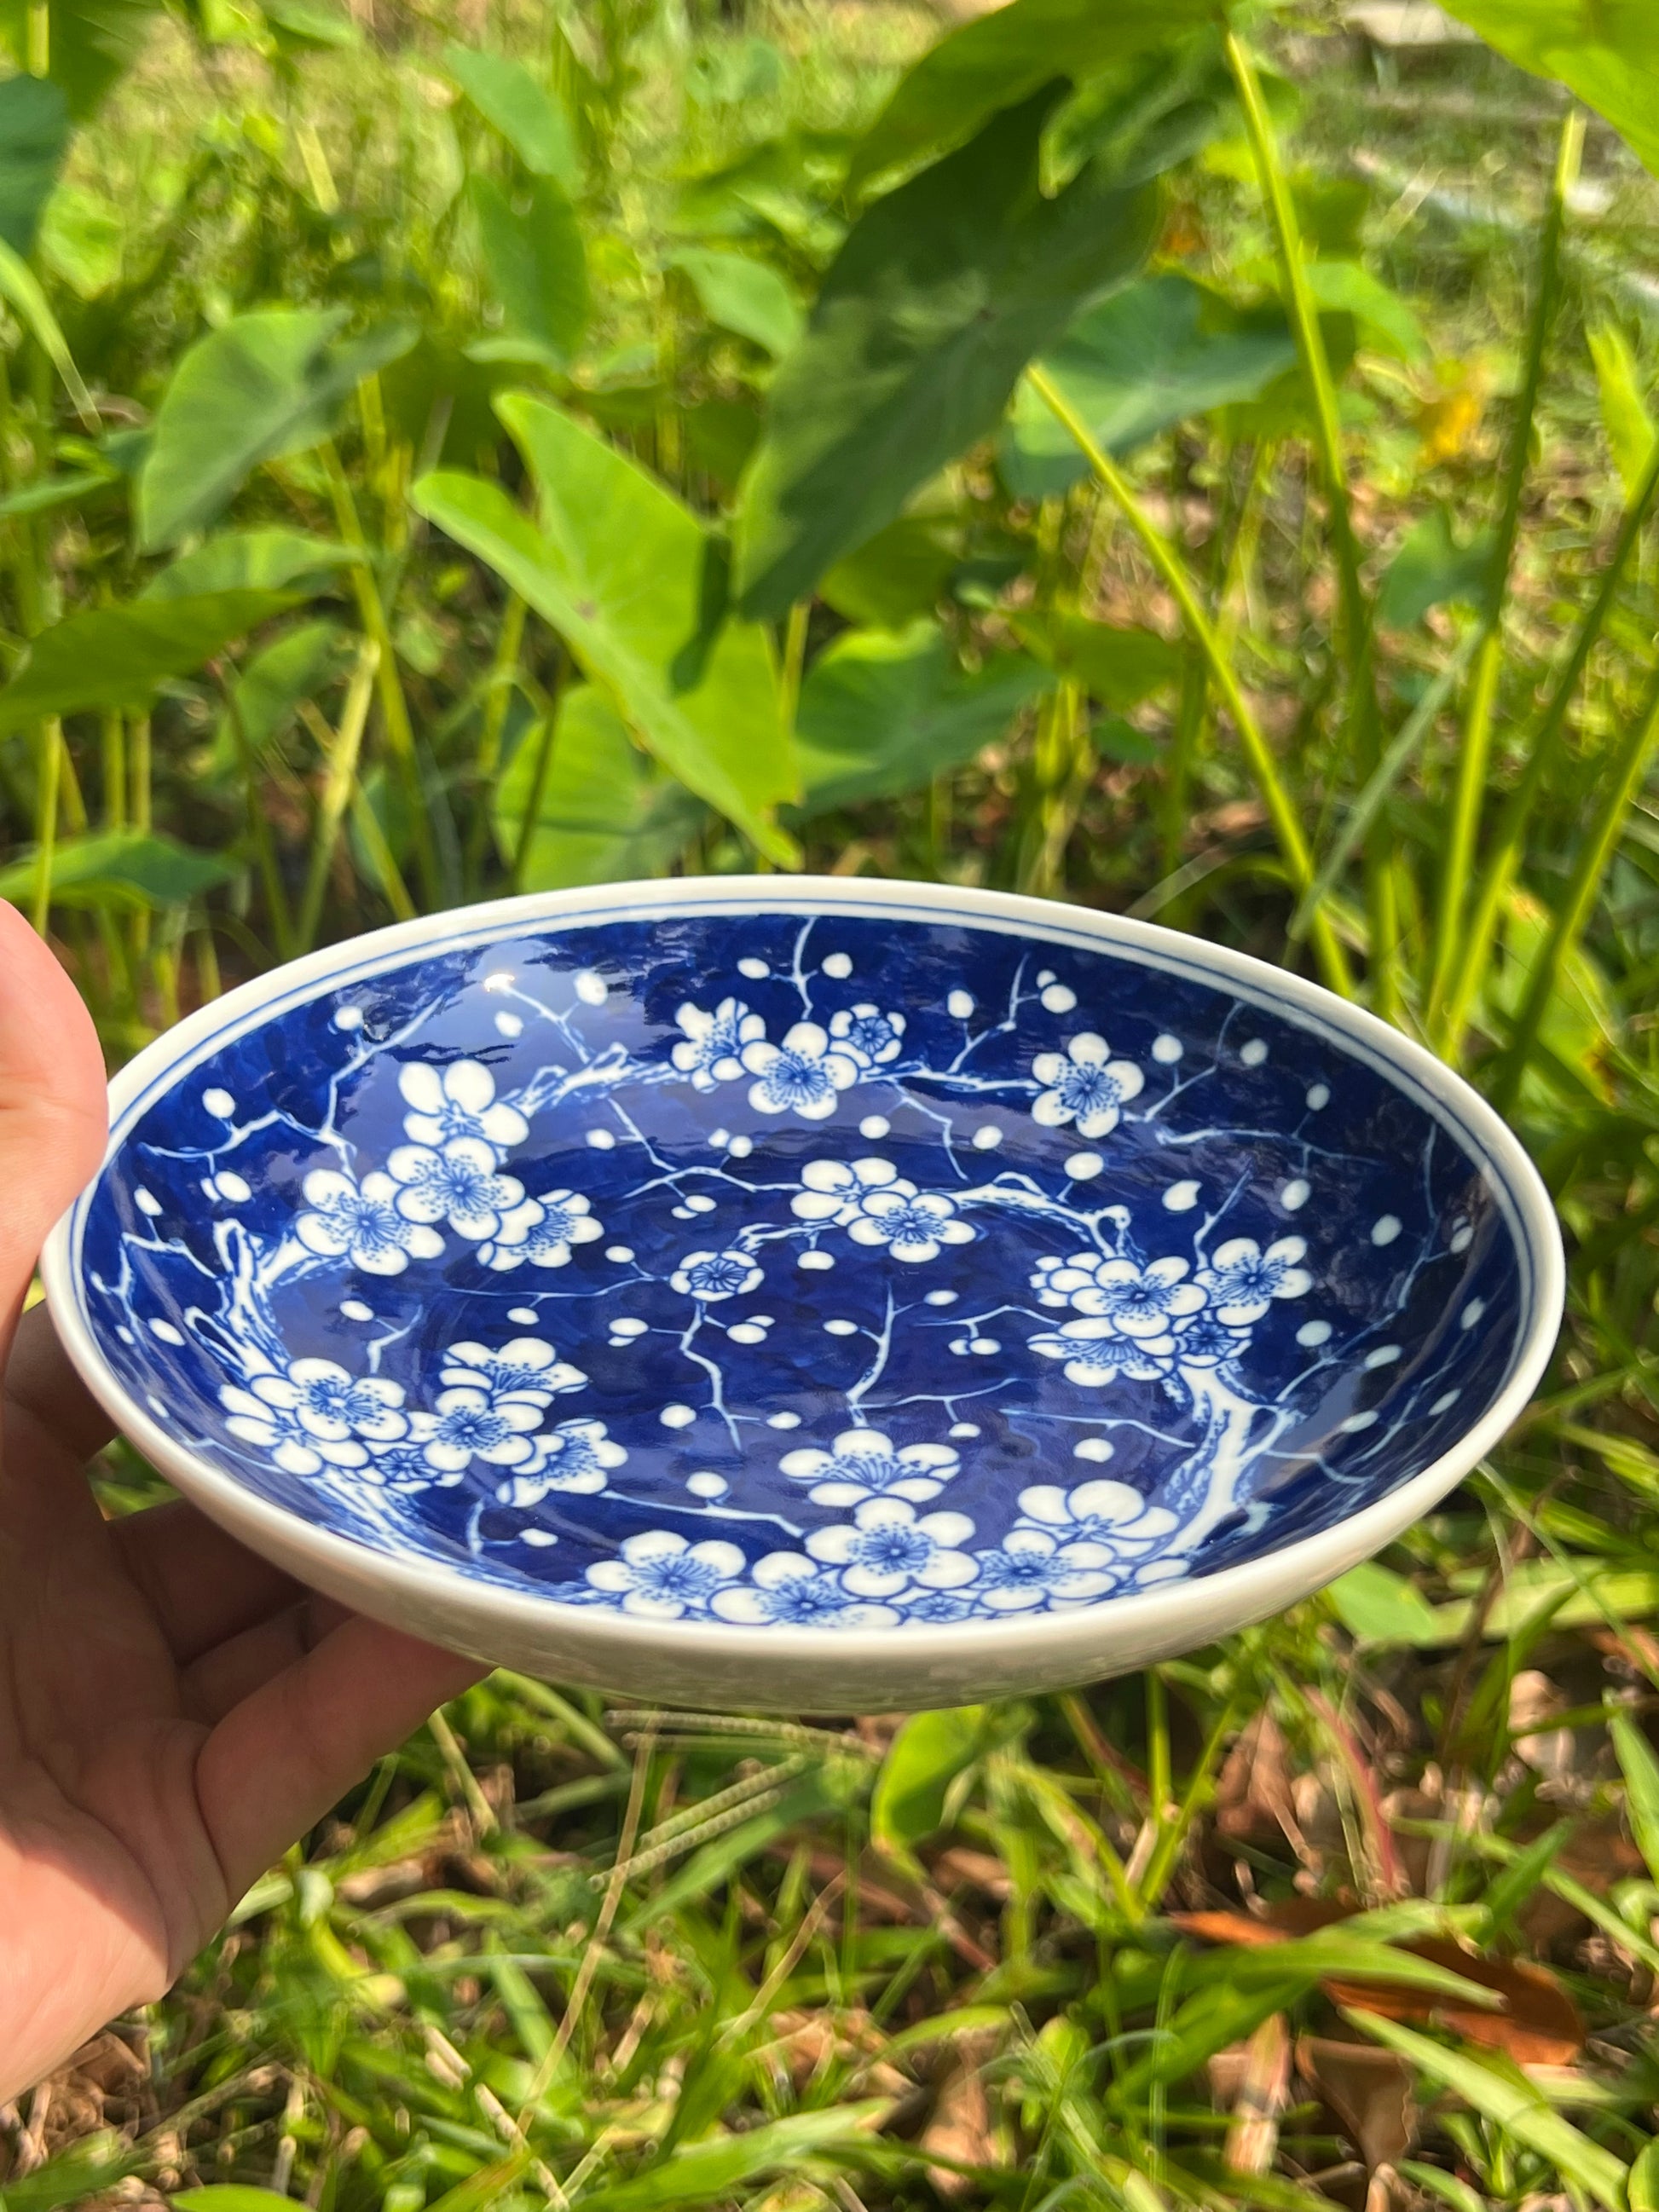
(1084, 1085)
(1108, 1514)
(1031, 1568)
(793, 1591)
(1137, 1301)
(660, 1575)
(543, 1230)
(934, 1606)
(862, 1463)
(329, 1405)
(714, 1275)
(710, 1051)
(801, 1076)
(912, 1223)
(362, 1223)
(467, 1426)
(1242, 1278)
(459, 1185)
(833, 1190)
(278, 1429)
(1095, 1353)
(884, 1549)
(574, 1457)
(525, 1372)
(459, 1103)
(870, 1037)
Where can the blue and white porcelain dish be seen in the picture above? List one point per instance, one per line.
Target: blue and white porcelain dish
(806, 1293)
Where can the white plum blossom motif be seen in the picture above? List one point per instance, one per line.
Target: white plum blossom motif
(1137, 1301)
(457, 1104)
(1242, 1278)
(790, 1591)
(1110, 1516)
(1204, 1340)
(1095, 1354)
(1084, 1085)
(527, 1371)
(300, 1423)
(862, 1463)
(577, 1457)
(711, 1276)
(710, 1050)
(833, 1190)
(877, 1205)
(459, 1185)
(361, 1222)
(543, 1231)
(662, 1576)
(884, 1549)
(330, 1405)
(871, 1037)
(1031, 1568)
(803, 1075)
(467, 1426)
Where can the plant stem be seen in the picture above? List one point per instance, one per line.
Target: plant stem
(51, 745)
(1541, 756)
(394, 707)
(38, 55)
(1619, 783)
(113, 771)
(504, 668)
(794, 659)
(258, 829)
(342, 773)
(533, 806)
(1287, 829)
(1470, 787)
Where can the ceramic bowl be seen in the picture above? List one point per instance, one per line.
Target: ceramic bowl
(806, 1294)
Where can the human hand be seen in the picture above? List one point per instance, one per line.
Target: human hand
(173, 1711)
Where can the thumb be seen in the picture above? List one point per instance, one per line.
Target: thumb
(54, 1111)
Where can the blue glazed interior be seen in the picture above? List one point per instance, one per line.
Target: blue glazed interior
(1098, 1316)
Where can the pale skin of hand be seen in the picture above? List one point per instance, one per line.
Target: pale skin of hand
(173, 1711)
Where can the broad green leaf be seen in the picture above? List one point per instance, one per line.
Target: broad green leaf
(128, 868)
(1157, 352)
(270, 686)
(532, 119)
(536, 266)
(1625, 414)
(1118, 665)
(43, 495)
(1386, 322)
(308, 26)
(620, 568)
(1501, 2093)
(1432, 569)
(1641, 1772)
(117, 656)
(1377, 1606)
(82, 2170)
(882, 712)
(896, 576)
(922, 1762)
(267, 384)
(90, 43)
(1644, 2182)
(1605, 51)
(741, 295)
(942, 293)
(1000, 60)
(712, 2172)
(604, 813)
(33, 133)
(272, 560)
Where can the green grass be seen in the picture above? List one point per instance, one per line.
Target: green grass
(552, 1953)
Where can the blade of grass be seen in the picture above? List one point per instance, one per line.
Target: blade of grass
(1401, 750)
(340, 773)
(509, 640)
(1469, 787)
(1333, 961)
(1619, 784)
(50, 746)
(1543, 753)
